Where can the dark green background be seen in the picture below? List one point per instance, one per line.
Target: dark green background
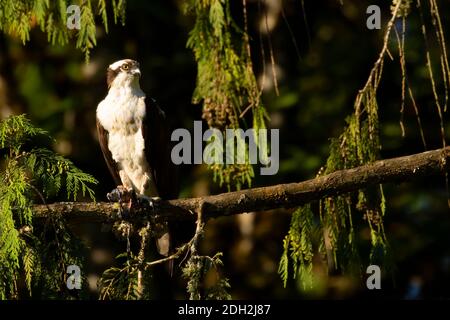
(318, 85)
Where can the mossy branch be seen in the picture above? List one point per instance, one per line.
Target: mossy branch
(257, 199)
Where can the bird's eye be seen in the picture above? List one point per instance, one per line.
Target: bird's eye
(125, 67)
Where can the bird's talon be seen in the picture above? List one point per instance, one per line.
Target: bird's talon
(127, 199)
(150, 202)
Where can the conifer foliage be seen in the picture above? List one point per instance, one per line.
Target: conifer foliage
(18, 18)
(341, 217)
(35, 255)
(226, 84)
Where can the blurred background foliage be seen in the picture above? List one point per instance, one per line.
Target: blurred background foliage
(323, 53)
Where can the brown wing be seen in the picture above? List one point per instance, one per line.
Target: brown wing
(157, 151)
(112, 165)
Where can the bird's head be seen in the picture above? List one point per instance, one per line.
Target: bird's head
(123, 72)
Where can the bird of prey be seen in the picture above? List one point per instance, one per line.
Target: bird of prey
(134, 139)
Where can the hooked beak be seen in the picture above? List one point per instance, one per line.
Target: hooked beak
(136, 72)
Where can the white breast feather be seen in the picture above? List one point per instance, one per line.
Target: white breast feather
(121, 113)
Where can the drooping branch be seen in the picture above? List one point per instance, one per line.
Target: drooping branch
(279, 196)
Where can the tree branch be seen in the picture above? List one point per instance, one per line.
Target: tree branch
(264, 198)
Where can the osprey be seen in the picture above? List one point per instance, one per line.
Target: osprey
(133, 137)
